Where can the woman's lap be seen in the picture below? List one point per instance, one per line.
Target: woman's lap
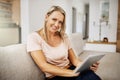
(87, 75)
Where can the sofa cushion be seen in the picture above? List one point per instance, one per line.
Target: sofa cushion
(77, 42)
(17, 64)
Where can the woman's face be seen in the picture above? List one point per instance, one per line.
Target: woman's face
(54, 21)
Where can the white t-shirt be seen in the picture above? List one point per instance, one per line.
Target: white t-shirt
(54, 55)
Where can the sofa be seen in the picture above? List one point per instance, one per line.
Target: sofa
(17, 64)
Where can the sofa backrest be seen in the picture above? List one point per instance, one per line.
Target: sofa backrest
(77, 42)
(17, 64)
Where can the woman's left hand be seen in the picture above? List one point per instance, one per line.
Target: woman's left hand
(94, 67)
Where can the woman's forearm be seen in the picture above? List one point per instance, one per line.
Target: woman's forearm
(40, 60)
(57, 71)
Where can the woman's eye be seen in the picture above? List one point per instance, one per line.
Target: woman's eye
(61, 22)
(54, 19)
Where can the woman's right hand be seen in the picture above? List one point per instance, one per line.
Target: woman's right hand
(73, 74)
(76, 74)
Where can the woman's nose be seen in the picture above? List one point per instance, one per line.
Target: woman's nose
(56, 23)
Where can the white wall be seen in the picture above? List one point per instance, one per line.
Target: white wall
(106, 31)
(37, 11)
(79, 5)
(24, 6)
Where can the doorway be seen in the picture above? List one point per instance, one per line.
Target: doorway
(73, 20)
(118, 29)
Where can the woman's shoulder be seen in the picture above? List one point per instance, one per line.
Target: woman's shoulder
(33, 35)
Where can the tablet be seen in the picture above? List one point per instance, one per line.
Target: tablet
(91, 59)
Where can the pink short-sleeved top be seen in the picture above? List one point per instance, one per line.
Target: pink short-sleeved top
(54, 55)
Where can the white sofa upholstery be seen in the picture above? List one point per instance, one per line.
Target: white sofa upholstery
(77, 42)
(17, 64)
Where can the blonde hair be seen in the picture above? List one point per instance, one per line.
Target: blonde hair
(62, 30)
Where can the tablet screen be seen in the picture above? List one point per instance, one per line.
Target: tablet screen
(91, 59)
